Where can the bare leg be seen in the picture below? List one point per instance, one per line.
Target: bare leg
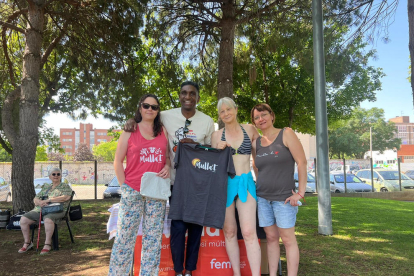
(273, 248)
(247, 218)
(25, 226)
(230, 234)
(49, 228)
(292, 250)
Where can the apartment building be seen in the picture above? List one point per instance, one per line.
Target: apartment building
(404, 129)
(71, 137)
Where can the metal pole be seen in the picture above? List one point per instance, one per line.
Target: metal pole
(316, 178)
(399, 172)
(60, 165)
(372, 174)
(96, 179)
(324, 192)
(344, 173)
(370, 140)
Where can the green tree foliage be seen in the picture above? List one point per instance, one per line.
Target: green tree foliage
(48, 137)
(41, 153)
(206, 29)
(56, 156)
(351, 137)
(83, 153)
(105, 151)
(59, 56)
(275, 65)
(114, 133)
(5, 156)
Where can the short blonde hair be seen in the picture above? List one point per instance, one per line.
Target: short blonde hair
(227, 101)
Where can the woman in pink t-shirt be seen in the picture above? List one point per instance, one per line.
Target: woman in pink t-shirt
(146, 150)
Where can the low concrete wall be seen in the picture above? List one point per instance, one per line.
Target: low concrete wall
(404, 195)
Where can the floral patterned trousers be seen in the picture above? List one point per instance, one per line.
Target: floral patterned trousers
(132, 207)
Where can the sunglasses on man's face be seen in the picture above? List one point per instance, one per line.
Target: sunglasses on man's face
(153, 106)
(187, 123)
(54, 174)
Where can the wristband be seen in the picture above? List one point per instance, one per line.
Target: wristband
(301, 197)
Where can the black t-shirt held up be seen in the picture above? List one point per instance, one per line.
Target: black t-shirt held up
(200, 187)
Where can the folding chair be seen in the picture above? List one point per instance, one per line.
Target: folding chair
(55, 236)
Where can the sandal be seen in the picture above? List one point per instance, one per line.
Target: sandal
(45, 251)
(27, 248)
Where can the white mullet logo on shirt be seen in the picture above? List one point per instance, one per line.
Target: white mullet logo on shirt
(204, 166)
(151, 155)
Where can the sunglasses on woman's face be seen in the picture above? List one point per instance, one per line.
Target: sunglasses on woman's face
(153, 106)
(54, 174)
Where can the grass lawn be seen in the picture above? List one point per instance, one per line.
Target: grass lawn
(371, 237)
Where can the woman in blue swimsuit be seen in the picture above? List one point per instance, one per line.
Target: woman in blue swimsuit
(241, 190)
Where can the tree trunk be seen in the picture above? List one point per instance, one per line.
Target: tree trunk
(266, 86)
(25, 142)
(291, 116)
(225, 69)
(410, 8)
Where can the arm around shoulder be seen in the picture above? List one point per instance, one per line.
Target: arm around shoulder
(252, 131)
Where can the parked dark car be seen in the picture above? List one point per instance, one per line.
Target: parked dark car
(113, 189)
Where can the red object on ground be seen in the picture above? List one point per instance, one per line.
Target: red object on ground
(212, 258)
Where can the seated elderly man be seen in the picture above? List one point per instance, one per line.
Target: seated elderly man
(58, 191)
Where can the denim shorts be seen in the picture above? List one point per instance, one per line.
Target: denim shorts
(271, 212)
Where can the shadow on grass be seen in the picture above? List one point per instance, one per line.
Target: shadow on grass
(89, 255)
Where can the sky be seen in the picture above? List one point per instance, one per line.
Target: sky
(395, 98)
(394, 58)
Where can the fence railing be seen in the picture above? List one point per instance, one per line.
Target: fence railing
(88, 179)
(358, 175)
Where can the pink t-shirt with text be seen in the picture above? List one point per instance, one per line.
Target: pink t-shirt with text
(144, 156)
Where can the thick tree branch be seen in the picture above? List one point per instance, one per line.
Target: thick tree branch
(12, 27)
(7, 57)
(208, 11)
(7, 115)
(10, 19)
(257, 13)
(54, 43)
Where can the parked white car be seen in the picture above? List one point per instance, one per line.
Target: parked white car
(349, 169)
(353, 184)
(39, 182)
(310, 185)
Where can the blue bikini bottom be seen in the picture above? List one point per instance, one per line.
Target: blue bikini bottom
(239, 186)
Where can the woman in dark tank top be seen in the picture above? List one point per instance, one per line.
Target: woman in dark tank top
(274, 156)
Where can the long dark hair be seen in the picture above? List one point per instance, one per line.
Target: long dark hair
(157, 121)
